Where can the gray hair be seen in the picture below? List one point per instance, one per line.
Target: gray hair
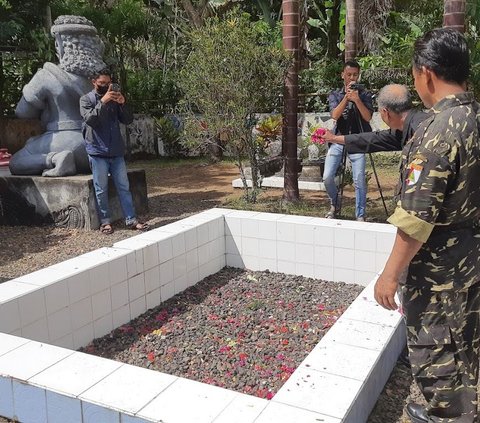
(395, 97)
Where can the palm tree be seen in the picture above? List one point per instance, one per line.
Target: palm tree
(454, 14)
(291, 18)
(351, 30)
(372, 21)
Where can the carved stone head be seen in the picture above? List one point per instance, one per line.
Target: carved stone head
(79, 48)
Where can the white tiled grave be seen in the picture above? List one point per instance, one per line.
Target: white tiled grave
(46, 315)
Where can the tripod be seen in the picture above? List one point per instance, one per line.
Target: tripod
(338, 200)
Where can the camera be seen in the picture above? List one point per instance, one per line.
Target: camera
(115, 87)
(357, 87)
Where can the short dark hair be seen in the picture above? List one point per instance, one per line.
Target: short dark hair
(103, 72)
(395, 97)
(351, 64)
(445, 52)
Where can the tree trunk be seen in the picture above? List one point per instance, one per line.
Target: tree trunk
(454, 14)
(351, 30)
(289, 139)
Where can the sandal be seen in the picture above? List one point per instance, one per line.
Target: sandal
(106, 229)
(138, 226)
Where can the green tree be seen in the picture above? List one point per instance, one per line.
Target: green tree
(229, 76)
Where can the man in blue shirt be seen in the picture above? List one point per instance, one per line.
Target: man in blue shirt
(352, 109)
(103, 109)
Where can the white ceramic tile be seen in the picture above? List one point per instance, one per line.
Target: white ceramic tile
(61, 409)
(323, 255)
(269, 217)
(213, 230)
(19, 363)
(351, 362)
(119, 293)
(233, 244)
(153, 298)
(125, 418)
(285, 231)
(205, 402)
(344, 258)
(117, 270)
(166, 272)
(243, 409)
(191, 241)
(152, 279)
(75, 374)
(11, 289)
(59, 323)
(191, 258)
(267, 229)
(30, 403)
(79, 287)
(281, 413)
(138, 307)
(323, 235)
(295, 219)
(251, 262)
(319, 392)
(305, 269)
(363, 278)
(9, 316)
(365, 261)
(32, 307)
(10, 342)
(202, 233)
(267, 264)
(178, 244)
(37, 331)
(250, 228)
(165, 250)
(121, 315)
(129, 388)
(133, 264)
(204, 254)
(193, 277)
(179, 266)
(101, 304)
(93, 413)
(64, 342)
(287, 267)
(103, 325)
(56, 296)
(365, 240)
(235, 260)
(6, 397)
(44, 277)
(304, 253)
(136, 287)
(364, 310)
(250, 246)
(156, 235)
(99, 279)
(304, 234)
(150, 254)
(166, 291)
(81, 313)
(83, 336)
(180, 284)
(381, 260)
(285, 251)
(324, 273)
(267, 249)
(344, 238)
(359, 334)
(385, 242)
(343, 275)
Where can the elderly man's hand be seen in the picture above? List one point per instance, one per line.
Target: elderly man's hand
(385, 290)
(331, 138)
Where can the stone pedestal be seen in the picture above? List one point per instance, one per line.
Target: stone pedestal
(65, 202)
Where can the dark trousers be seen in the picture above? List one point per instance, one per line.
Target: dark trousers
(443, 342)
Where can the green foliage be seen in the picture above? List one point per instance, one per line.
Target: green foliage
(269, 130)
(170, 133)
(231, 73)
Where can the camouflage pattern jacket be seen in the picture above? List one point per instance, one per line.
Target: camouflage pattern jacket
(439, 195)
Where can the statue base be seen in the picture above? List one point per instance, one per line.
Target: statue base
(65, 202)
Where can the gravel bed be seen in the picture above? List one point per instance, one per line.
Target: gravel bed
(241, 330)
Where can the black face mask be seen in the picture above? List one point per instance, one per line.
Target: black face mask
(102, 90)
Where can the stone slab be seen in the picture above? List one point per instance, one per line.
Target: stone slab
(65, 202)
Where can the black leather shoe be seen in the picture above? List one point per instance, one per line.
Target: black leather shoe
(417, 413)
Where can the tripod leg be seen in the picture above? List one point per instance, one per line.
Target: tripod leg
(338, 201)
(378, 183)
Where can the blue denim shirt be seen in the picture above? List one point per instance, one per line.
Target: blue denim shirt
(351, 121)
(101, 129)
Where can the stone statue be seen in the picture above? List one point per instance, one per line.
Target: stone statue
(53, 95)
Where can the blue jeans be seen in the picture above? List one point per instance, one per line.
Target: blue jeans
(115, 166)
(332, 162)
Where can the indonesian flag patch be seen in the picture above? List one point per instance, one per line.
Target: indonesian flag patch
(413, 174)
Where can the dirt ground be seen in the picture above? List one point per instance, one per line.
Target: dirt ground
(175, 190)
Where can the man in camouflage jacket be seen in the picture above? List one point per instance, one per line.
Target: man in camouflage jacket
(438, 236)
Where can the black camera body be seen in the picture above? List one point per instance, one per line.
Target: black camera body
(115, 87)
(357, 87)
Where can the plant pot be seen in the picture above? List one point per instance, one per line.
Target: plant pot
(270, 165)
